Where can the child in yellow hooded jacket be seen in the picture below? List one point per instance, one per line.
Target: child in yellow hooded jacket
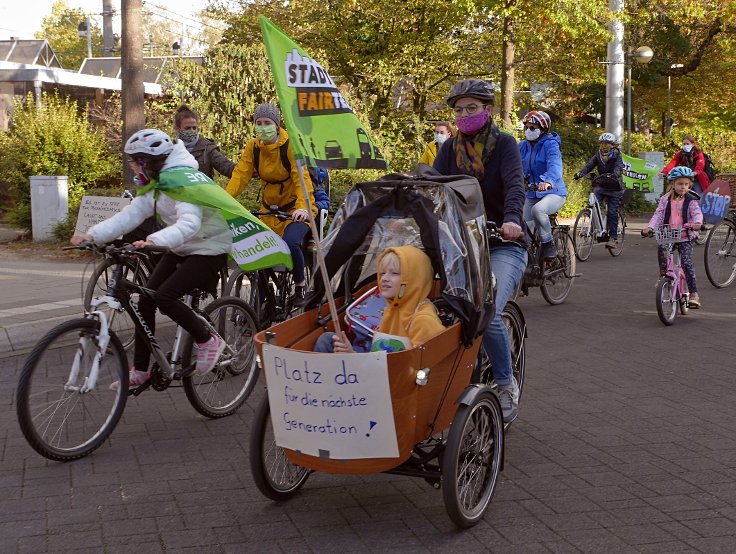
(405, 278)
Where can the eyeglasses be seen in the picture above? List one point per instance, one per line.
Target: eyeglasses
(470, 109)
(531, 127)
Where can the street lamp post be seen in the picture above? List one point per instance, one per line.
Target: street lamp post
(85, 29)
(668, 122)
(643, 55)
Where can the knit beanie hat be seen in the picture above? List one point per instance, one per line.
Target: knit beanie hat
(268, 110)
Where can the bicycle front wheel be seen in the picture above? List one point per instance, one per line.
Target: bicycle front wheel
(666, 302)
(583, 233)
(118, 320)
(223, 390)
(621, 231)
(558, 275)
(58, 418)
(720, 254)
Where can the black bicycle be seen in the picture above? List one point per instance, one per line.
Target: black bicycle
(720, 252)
(66, 405)
(271, 292)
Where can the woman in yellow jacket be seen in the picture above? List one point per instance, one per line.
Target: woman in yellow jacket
(271, 152)
(442, 131)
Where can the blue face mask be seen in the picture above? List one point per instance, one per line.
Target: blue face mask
(439, 138)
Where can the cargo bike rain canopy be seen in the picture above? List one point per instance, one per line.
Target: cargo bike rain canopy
(442, 215)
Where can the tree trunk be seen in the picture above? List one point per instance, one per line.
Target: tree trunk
(507, 72)
(131, 74)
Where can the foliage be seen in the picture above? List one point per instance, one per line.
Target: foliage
(60, 29)
(54, 139)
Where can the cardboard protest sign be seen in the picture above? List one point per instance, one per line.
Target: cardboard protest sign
(323, 130)
(335, 406)
(715, 201)
(94, 209)
(638, 173)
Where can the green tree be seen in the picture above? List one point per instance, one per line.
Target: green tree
(54, 139)
(60, 29)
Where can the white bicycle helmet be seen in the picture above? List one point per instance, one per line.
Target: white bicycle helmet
(149, 141)
(607, 137)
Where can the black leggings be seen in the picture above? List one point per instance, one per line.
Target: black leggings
(173, 277)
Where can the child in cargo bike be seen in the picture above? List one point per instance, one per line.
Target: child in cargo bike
(676, 208)
(405, 277)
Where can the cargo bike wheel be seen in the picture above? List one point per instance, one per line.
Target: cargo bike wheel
(275, 476)
(472, 459)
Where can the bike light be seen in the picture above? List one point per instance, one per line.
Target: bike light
(422, 376)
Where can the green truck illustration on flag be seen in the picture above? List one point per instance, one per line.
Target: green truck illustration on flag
(323, 129)
(638, 173)
(255, 245)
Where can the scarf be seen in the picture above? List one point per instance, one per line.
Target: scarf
(472, 152)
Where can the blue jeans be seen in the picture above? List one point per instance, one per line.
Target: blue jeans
(612, 203)
(508, 264)
(325, 343)
(293, 237)
(537, 212)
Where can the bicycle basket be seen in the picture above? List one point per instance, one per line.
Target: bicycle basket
(667, 235)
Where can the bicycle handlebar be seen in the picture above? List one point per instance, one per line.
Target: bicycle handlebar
(281, 216)
(111, 249)
(493, 234)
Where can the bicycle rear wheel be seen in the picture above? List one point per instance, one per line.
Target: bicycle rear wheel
(223, 390)
(558, 276)
(583, 233)
(58, 420)
(119, 321)
(621, 236)
(666, 303)
(720, 254)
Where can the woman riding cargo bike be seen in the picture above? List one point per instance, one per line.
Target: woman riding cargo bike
(428, 410)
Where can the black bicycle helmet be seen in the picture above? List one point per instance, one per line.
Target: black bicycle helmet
(474, 88)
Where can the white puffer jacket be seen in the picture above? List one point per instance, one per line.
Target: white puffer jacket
(190, 229)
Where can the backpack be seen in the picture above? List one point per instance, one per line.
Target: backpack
(710, 169)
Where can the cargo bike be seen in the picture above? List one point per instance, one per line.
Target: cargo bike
(449, 426)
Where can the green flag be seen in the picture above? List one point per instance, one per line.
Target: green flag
(255, 245)
(323, 130)
(638, 173)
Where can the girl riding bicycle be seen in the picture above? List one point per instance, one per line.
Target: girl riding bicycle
(269, 157)
(197, 236)
(677, 208)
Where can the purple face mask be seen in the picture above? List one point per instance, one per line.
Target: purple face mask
(473, 123)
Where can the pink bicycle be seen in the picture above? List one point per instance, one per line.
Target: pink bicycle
(672, 291)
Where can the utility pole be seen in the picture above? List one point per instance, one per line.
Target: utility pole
(131, 75)
(108, 39)
(615, 73)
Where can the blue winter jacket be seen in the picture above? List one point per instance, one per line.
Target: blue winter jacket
(542, 163)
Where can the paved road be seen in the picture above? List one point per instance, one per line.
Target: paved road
(625, 443)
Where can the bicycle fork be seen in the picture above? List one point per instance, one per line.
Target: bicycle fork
(85, 343)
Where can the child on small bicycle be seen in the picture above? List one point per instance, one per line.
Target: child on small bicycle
(198, 237)
(608, 162)
(405, 277)
(677, 208)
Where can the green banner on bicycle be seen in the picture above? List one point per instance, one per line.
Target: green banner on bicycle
(255, 245)
(323, 129)
(638, 173)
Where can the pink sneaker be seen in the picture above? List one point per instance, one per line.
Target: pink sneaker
(207, 354)
(135, 379)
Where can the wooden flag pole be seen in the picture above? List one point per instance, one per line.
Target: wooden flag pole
(320, 258)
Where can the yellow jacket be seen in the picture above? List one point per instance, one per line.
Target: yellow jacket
(278, 187)
(411, 313)
(429, 154)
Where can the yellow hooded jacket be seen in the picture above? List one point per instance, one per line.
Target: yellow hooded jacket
(278, 187)
(411, 313)
(429, 154)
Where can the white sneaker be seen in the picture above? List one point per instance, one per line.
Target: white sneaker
(207, 354)
(508, 396)
(135, 379)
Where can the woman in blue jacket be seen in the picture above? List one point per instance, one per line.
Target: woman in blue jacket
(545, 189)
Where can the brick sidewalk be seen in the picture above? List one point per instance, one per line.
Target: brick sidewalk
(624, 443)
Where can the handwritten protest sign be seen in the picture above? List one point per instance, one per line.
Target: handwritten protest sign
(715, 201)
(94, 209)
(335, 406)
